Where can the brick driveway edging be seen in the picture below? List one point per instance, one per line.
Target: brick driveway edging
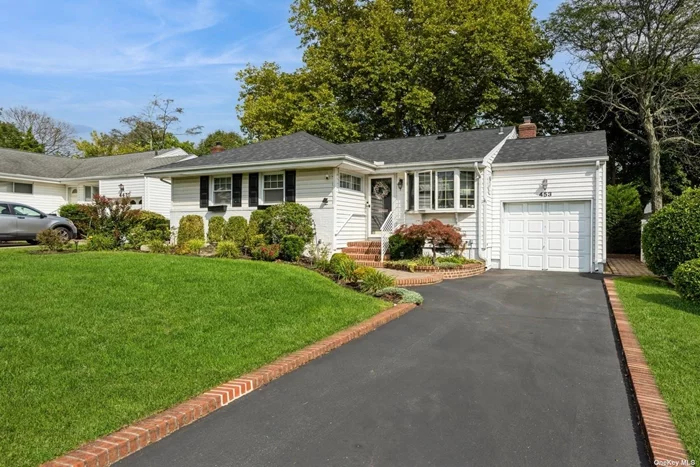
(116, 446)
(664, 445)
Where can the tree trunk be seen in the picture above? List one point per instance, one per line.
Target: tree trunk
(654, 161)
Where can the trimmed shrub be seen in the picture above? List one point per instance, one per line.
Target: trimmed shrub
(227, 249)
(336, 259)
(101, 242)
(236, 230)
(193, 246)
(672, 235)
(452, 259)
(266, 252)
(151, 221)
(50, 240)
(191, 228)
(216, 229)
(624, 217)
(292, 247)
(79, 214)
(434, 233)
(401, 247)
(362, 271)
(406, 296)
(284, 219)
(686, 278)
(376, 280)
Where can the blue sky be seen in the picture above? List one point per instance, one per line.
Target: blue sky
(91, 62)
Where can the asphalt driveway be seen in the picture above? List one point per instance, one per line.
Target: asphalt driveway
(508, 368)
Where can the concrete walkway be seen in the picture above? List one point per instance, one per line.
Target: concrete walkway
(507, 368)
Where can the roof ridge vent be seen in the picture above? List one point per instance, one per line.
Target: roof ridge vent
(441, 136)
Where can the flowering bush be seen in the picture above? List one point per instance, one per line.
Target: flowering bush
(266, 252)
(50, 240)
(433, 233)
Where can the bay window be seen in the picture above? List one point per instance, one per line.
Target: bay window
(273, 188)
(442, 190)
(222, 190)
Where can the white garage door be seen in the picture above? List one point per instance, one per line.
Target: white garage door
(548, 236)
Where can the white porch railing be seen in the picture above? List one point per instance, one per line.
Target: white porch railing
(385, 231)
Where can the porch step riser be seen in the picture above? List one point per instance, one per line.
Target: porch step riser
(358, 257)
(361, 250)
(372, 264)
(365, 244)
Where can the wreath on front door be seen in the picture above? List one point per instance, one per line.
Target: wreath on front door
(380, 190)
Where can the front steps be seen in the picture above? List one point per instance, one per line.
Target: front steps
(365, 253)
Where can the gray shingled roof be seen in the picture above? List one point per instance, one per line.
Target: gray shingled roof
(40, 165)
(300, 145)
(560, 147)
(473, 144)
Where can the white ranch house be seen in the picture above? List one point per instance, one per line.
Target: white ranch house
(520, 201)
(48, 182)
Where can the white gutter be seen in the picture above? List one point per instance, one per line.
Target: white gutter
(247, 166)
(536, 164)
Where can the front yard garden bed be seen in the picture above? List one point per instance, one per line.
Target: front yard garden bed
(93, 341)
(668, 330)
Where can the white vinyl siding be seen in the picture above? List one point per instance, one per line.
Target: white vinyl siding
(157, 197)
(46, 197)
(312, 186)
(351, 214)
(575, 183)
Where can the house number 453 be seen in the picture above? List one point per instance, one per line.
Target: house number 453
(546, 194)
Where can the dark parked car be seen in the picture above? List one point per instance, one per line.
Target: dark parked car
(22, 222)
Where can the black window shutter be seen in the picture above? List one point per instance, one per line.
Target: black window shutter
(253, 189)
(411, 192)
(236, 189)
(203, 191)
(290, 186)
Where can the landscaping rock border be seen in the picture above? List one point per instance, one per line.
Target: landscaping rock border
(664, 445)
(116, 446)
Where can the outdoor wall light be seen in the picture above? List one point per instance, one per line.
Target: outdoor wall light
(400, 183)
(121, 189)
(324, 201)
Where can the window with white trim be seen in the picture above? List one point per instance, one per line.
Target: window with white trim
(222, 190)
(273, 188)
(15, 187)
(91, 191)
(444, 190)
(350, 182)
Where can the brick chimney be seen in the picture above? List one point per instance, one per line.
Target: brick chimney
(217, 148)
(527, 129)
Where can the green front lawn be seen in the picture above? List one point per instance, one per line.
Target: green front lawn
(668, 329)
(90, 342)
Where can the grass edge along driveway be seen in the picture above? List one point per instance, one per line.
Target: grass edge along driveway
(90, 342)
(668, 329)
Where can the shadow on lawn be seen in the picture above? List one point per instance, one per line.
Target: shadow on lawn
(671, 301)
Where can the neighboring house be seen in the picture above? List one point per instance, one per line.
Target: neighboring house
(48, 182)
(519, 202)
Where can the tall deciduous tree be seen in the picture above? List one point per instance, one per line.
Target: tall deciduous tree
(228, 139)
(55, 136)
(152, 129)
(393, 68)
(644, 49)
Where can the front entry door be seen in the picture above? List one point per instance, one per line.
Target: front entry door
(380, 202)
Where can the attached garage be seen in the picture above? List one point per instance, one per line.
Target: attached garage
(547, 236)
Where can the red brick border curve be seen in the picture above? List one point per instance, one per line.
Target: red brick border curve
(663, 443)
(116, 446)
(459, 272)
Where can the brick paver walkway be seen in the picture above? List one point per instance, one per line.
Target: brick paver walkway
(626, 265)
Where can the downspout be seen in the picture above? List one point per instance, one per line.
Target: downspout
(479, 216)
